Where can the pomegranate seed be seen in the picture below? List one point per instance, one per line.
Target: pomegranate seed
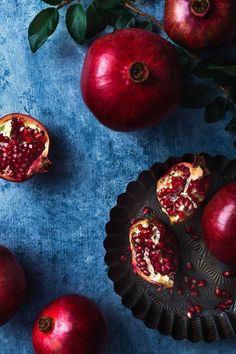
(222, 306)
(180, 290)
(123, 258)
(226, 293)
(189, 265)
(146, 211)
(197, 308)
(194, 293)
(189, 314)
(186, 279)
(218, 292)
(228, 274)
(228, 302)
(201, 283)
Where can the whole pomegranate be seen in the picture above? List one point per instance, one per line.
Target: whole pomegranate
(24, 145)
(130, 79)
(71, 324)
(12, 285)
(182, 189)
(154, 251)
(199, 24)
(219, 224)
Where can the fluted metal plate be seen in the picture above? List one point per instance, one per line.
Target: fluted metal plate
(166, 310)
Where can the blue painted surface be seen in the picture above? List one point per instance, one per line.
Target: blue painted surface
(55, 222)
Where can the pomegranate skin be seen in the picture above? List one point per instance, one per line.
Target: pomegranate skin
(219, 224)
(77, 327)
(12, 285)
(131, 78)
(211, 28)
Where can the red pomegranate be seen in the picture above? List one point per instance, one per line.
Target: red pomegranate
(130, 79)
(71, 324)
(154, 251)
(182, 189)
(199, 24)
(12, 285)
(24, 145)
(219, 224)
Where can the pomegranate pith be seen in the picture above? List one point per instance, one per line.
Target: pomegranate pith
(24, 145)
(154, 251)
(182, 189)
(128, 87)
(199, 24)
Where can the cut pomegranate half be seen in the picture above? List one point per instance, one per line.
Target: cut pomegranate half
(182, 189)
(154, 251)
(24, 146)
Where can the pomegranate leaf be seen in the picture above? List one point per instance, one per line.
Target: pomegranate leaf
(95, 21)
(53, 2)
(230, 70)
(145, 25)
(76, 22)
(107, 4)
(231, 126)
(197, 96)
(125, 21)
(217, 110)
(42, 27)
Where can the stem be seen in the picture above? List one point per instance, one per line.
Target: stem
(63, 3)
(138, 12)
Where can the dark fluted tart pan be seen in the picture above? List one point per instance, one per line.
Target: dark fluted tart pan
(166, 310)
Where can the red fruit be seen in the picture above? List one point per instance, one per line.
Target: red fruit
(219, 225)
(24, 145)
(71, 324)
(12, 284)
(199, 24)
(130, 79)
(182, 189)
(154, 251)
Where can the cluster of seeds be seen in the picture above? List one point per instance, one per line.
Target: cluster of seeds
(19, 150)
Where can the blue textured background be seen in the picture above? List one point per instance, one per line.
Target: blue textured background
(55, 222)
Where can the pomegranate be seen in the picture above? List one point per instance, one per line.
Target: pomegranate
(154, 251)
(24, 145)
(199, 24)
(71, 324)
(12, 285)
(219, 225)
(182, 189)
(126, 86)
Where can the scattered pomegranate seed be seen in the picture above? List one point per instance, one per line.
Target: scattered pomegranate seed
(146, 211)
(193, 310)
(180, 290)
(201, 283)
(194, 293)
(197, 308)
(189, 229)
(221, 306)
(123, 258)
(228, 274)
(228, 302)
(226, 293)
(189, 265)
(189, 314)
(186, 279)
(218, 292)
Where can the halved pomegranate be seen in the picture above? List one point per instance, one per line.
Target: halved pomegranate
(182, 189)
(24, 145)
(154, 251)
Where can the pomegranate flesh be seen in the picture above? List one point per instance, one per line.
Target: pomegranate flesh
(182, 189)
(71, 324)
(199, 24)
(128, 87)
(24, 145)
(12, 285)
(154, 251)
(219, 225)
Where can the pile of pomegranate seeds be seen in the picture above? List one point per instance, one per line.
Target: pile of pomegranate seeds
(20, 149)
(182, 189)
(154, 251)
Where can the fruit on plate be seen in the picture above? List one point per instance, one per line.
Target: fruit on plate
(24, 145)
(199, 24)
(182, 189)
(131, 78)
(12, 285)
(219, 224)
(71, 324)
(154, 251)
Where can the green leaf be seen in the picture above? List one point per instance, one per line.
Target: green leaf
(76, 22)
(216, 110)
(196, 96)
(145, 25)
(125, 21)
(53, 2)
(202, 70)
(111, 16)
(231, 126)
(42, 27)
(183, 56)
(229, 70)
(106, 4)
(95, 21)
